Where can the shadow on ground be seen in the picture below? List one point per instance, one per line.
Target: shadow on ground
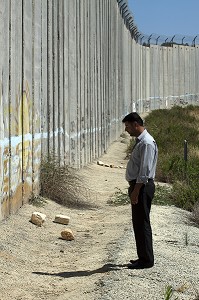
(104, 269)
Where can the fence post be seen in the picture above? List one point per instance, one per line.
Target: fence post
(185, 158)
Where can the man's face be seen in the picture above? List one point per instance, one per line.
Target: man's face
(130, 127)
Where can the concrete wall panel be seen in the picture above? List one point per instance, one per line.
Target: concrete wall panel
(44, 79)
(15, 98)
(5, 20)
(26, 104)
(66, 107)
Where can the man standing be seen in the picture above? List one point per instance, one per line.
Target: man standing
(140, 173)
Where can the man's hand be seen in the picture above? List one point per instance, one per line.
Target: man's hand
(135, 193)
(134, 197)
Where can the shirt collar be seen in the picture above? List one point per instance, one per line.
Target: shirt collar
(142, 135)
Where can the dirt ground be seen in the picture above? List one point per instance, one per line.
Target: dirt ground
(37, 264)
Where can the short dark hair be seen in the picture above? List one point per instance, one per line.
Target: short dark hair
(133, 117)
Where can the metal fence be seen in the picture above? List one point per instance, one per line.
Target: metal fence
(69, 72)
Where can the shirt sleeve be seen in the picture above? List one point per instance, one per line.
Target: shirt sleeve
(147, 152)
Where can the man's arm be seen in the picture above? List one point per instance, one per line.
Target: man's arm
(147, 154)
(135, 193)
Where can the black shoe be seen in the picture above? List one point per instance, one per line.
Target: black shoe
(140, 265)
(134, 261)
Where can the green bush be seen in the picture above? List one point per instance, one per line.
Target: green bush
(185, 195)
(162, 195)
(171, 127)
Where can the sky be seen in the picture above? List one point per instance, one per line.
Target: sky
(166, 17)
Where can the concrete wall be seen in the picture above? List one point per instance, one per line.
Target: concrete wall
(69, 72)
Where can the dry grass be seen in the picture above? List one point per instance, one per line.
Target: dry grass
(62, 184)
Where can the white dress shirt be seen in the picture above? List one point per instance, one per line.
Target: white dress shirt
(143, 160)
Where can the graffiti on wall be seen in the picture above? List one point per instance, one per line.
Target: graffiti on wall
(16, 149)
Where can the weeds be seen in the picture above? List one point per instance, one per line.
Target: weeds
(169, 293)
(119, 198)
(37, 201)
(185, 195)
(162, 195)
(170, 128)
(62, 184)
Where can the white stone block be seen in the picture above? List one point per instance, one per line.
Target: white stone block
(100, 163)
(62, 219)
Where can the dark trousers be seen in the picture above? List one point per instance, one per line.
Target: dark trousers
(141, 222)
